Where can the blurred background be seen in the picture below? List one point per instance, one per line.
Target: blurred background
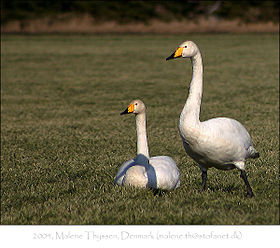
(139, 16)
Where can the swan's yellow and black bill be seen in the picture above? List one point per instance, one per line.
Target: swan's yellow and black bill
(176, 54)
(129, 109)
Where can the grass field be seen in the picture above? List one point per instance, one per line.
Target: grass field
(63, 139)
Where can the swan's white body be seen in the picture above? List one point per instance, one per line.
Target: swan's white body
(158, 172)
(222, 143)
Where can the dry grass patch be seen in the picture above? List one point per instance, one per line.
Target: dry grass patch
(85, 24)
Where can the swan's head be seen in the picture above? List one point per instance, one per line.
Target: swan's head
(186, 50)
(135, 107)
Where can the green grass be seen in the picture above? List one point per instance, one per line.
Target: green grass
(63, 139)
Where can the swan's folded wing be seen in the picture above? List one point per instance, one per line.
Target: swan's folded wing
(167, 173)
(122, 170)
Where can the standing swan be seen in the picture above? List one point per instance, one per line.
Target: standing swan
(222, 143)
(158, 172)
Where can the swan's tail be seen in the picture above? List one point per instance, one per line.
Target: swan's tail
(253, 153)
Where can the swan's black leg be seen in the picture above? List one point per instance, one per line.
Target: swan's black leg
(159, 192)
(249, 189)
(204, 179)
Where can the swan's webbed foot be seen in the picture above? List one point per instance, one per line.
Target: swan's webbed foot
(204, 179)
(249, 193)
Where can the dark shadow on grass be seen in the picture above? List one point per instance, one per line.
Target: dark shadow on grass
(227, 188)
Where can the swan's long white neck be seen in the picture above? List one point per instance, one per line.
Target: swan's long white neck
(142, 141)
(191, 110)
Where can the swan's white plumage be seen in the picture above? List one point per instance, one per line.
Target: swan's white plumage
(158, 172)
(222, 143)
(219, 142)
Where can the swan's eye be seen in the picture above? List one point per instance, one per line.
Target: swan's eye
(136, 103)
(186, 46)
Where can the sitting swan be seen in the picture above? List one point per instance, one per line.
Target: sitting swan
(222, 143)
(158, 172)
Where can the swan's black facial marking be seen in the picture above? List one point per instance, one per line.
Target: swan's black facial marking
(124, 112)
(130, 109)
